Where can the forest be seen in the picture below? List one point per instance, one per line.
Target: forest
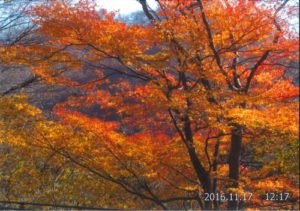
(191, 105)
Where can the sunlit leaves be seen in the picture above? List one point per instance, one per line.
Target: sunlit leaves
(179, 84)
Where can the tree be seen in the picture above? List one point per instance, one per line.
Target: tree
(34, 167)
(15, 29)
(191, 91)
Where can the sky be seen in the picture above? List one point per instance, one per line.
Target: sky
(123, 6)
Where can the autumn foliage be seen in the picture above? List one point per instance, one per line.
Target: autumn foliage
(197, 102)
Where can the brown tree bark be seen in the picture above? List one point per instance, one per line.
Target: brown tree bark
(202, 174)
(215, 168)
(234, 163)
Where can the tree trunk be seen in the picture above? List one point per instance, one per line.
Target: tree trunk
(215, 168)
(234, 163)
(202, 174)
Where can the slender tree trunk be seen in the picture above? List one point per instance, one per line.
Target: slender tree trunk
(234, 163)
(215, 168)
(202, 174)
